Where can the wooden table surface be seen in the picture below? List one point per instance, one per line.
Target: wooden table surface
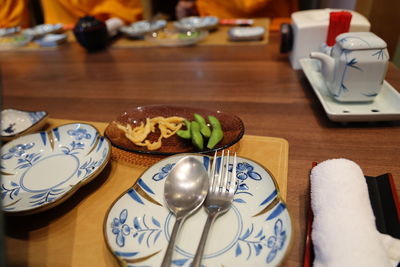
(255, 83)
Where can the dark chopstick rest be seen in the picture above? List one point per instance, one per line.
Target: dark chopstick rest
(384, 202)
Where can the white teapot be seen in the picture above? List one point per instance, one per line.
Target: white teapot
(356, 68)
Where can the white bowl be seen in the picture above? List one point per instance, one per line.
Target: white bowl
(197, 23)
(246, 33)
(140, 28)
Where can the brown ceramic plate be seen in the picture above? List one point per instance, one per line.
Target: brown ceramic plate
(231, 125)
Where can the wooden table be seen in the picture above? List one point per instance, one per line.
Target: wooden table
(256, 83)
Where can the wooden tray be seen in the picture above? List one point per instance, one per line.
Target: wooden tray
(71, 234)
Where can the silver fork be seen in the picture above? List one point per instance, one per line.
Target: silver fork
(219, 198)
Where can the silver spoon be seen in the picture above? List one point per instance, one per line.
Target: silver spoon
(185, 189)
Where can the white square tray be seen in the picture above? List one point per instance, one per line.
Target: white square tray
(385, 107)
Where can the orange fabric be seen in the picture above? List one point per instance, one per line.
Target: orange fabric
(247, 8)
(69, 11)
(13, 13)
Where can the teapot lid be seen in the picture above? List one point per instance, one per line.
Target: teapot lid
(360, 41)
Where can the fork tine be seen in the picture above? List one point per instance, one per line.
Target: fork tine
(209, 166)
(224, 183)
(232, 185)
(213, 172)
(218, 173)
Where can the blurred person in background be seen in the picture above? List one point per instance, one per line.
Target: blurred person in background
(69, 11)
(226, 9)
(17, 12)
(14, 13)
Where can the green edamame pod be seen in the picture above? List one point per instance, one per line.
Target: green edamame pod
(216, 134)
(204, 129)
(185, 134)
(197, 138)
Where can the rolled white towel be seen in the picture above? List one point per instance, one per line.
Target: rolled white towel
(344, 231)
(392, 246)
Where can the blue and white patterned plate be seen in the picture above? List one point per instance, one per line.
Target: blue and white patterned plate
(140, 28)
(41, 170)
(256, 231)
(197, 23)
(17, 122)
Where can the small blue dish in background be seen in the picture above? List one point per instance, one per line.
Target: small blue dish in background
(43, 29)
(197, 23)
(51, 40)
(9, 31)
(246, 33)
(15, 122)
(140, 28)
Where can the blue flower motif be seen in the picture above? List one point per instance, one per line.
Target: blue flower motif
(163, 173)
(79, 134)
(17, 151)
(10, 129)
(11, 192)
(74, 146)
(77, 145)
(245, 170)
(143, 231)
(120, 229)
(276, 241)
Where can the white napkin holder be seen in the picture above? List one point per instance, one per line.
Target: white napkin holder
(310, 29)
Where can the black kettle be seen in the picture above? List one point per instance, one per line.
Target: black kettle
(91, 33)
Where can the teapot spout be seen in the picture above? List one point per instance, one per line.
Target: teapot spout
(327, 65)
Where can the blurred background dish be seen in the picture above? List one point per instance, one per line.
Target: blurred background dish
(197, 23)
(50, 40)
(169, 37)
(232, 127)
(140, 28)
(246, 33)
(9, 31)
(18, 122)
(14, 41)
(43, 29)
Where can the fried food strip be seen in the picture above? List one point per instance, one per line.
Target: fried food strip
(167, 126)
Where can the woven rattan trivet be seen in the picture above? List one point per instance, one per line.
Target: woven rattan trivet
(145, 160)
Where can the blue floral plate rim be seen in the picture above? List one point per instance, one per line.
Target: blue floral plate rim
(98, 142)
(276, 204)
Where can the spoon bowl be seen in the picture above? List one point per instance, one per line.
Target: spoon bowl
(186, 186)
(185, 190)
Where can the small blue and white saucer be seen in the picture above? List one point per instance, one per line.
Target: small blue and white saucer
(197, 23)
(15, 122)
